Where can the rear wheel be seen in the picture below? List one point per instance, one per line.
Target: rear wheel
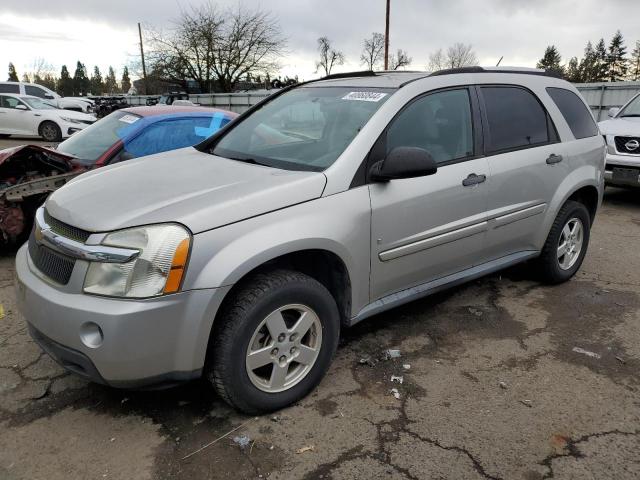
(50, 132)
(273, 342)
(567, 243)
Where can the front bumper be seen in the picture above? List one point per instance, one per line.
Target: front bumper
(142, 343)
(630, 163)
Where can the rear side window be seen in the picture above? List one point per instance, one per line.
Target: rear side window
(574, 111)
(515, 118)
(9, 88)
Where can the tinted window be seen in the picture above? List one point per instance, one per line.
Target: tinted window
(439, 123)
(574, 111)
(306, 128)
(9, 102)
(34, 91)
(9, 88)
(515, 118)
(172, 134)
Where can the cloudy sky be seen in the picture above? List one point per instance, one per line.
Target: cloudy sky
(104, 33)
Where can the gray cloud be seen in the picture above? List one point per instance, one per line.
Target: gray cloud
(519, 30)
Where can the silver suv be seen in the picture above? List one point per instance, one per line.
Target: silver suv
(241, 259)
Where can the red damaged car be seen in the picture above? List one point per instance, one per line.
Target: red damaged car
(29, 173)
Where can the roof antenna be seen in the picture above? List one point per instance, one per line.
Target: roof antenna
(498, 64)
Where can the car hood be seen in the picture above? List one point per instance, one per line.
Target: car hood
(629, 126)
(68, 114)
(197, 189)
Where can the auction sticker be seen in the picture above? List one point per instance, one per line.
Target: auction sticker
(129, 118)
(365, 96)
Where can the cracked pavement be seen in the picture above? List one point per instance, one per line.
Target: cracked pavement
(495, 390)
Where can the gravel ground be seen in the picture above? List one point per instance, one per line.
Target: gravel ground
(507, 379)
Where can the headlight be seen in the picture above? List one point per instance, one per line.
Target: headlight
(157, 270)
(70, 120)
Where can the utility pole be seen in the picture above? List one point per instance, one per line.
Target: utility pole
(386, 38)
(144, 68)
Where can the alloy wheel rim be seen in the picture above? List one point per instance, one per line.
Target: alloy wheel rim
(570, 243)
(284, 347)
(48, 132)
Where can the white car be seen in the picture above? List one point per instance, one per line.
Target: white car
(79, 104)
(26, 115)
(622, 133)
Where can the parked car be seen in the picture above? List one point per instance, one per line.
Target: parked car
(242, 259)
(29, 173)
(79, 104)
(26, 115)
(622, 134)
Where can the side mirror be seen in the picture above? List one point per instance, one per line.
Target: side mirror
(404, 162)
(613, 111)
(21, 107)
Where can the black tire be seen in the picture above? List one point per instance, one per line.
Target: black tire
(548, 263)
(234, 328)
(50, 131)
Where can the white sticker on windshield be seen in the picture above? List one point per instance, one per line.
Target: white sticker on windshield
(365, 96)
(129, 118)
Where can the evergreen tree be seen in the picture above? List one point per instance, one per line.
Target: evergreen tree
(25, 78)
(617, 61)
(65, 84)
(48, 81)
(125, 83)
(110, 84)
(589, 64)
(551, 60)
(634, 71)
(96, 83)
(80, 80)
(572, 71)
(13, 76)
(601, 68)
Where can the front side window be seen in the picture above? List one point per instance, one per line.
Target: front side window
(34, 91)
(515, 118)
(307, 128)
(632, 109)
(9, 102)
(439, 123)
(574, 111)
(172, 134)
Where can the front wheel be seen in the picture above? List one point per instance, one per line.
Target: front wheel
(273, 342)
(50, 132)
(567, 243)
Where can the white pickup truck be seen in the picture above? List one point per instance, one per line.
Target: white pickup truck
(79, 104)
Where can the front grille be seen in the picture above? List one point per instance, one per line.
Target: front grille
(66, 230)
(54, 265)
(622, 145)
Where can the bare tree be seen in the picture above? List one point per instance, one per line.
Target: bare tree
(458, 55)
(216, 48)
(329, 57)
(372, 50)
(400, 60)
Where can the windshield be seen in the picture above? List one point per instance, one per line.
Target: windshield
(38, 104)
(304, 129)
(89, 144)
(633, 109)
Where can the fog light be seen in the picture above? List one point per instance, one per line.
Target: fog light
(91, 335)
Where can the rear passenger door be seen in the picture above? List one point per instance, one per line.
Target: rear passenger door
(527, 165)
(429, 227)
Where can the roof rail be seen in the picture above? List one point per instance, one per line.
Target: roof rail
(521, 70)
(363, 73)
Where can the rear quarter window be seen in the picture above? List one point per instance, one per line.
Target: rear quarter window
(574, 111)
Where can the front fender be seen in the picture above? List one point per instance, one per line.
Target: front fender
(339, 224)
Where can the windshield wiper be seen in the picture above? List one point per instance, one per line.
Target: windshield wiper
(252, 161)
(630, 115)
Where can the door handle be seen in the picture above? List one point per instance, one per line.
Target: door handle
(473, 179)
(553, 159)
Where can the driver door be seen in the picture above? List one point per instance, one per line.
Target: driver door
(429, 227)
(15, 121)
